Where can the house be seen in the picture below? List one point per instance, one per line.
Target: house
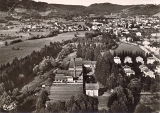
(117, 60)
(128, 59)
(138, 34)
(126, 68)
(92, 89)
(143, 67)
(146, 42)
(148, 72)
(130, 72)
(139, 59)
(150, 60)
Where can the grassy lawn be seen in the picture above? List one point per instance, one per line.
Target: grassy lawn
(26, 47)
(62, 92)
(128, 47)
(9, 31)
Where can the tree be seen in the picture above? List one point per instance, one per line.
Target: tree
(120, 100)
(39, 104)
(96, 52)
(119, 107)
(6, 43)
(79, 50)
(75, 108)
(2, 88)
(15, 92)
(134, 85)
(141, 108)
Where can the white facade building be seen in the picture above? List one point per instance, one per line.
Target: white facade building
(148, 72)
(150, 60)
(92, 89)
(139, 59)
(128, 59)
(117, 60)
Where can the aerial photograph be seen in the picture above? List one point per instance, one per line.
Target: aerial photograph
(79, 56)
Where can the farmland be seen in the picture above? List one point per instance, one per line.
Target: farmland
(128, 47)
(26, 47)
(61, 92)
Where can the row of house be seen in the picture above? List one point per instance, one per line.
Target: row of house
(150, 60)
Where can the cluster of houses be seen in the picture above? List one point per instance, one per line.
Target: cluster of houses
(139, 59)
(146, 71)
(128, 59)
(61, 27)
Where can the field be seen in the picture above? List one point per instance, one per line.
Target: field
(26, 47)
(128, 47)
(62, 92)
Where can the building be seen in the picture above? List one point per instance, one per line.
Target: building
(75, 66)
(128, 70)
(117, 60)
(92, 89)
(143, 67)
(150, 60)
(139, 59)
(157, 70)
(148, 72)
(128, 59)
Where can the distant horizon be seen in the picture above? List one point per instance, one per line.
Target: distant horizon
(88, 2)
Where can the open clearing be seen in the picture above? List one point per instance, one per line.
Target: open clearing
(129, 48)
(63, 92)
(26, 47)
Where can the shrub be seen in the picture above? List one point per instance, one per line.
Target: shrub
(15, 41)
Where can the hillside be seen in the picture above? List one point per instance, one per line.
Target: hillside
(149, 9)
(106, 8)
(157, 14)
(37, 9)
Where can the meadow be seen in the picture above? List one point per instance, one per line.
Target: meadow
(129, 48)
(62, 92)
(26, 47)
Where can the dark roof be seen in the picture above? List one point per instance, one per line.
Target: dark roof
(61, 71)
(92, 86)
(61, 77)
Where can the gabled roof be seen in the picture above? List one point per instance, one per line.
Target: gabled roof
(61, 77)
(142, 66)
(126, 66)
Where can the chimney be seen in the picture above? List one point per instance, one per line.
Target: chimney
(74, 68)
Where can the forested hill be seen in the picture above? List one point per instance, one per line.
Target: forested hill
(106, 8)
(101, 8)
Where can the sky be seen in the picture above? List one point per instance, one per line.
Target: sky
(89, 2)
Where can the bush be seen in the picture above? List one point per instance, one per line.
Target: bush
(15, 41)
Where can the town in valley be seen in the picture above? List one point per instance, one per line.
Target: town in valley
(57, 58)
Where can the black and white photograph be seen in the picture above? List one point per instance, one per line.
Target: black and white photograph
(79, 56)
